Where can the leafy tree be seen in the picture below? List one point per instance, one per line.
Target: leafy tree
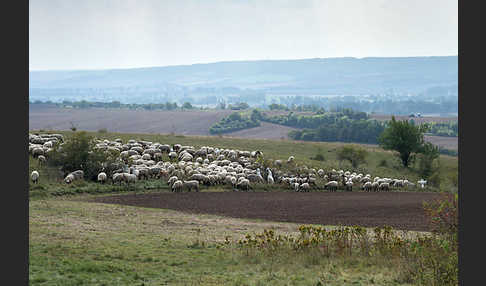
(256, 115)
(187, 105)
(403, 137)
(235, 116)
(77, 153)
(429, 153)
(354, 155)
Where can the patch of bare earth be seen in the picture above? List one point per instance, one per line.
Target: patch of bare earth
(401, 210)
(442, 141)
(265, 131)
(190, 122)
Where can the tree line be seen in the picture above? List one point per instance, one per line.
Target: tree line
(234, 122)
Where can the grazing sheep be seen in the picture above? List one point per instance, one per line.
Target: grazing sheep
(375, 186)
(384, 187)
(36, 151)
(331, 185)
(367, 186)
(349, 186)
(34, 176)
(172, 180)
(422, 183)
(102, 177)
(233, 181)
(78, 174)
(42, 159)
(177, 186)
(295, 186)
(129, 178)
(290, 159)
(192, 184)
(243, 184)
(117, 178)
(305, 187)
(69, 179)
(270, 180)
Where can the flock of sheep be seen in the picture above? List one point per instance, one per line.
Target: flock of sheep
(187, 167)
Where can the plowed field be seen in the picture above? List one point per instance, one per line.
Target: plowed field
(401, 210)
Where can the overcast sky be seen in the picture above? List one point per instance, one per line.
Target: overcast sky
(101, 34)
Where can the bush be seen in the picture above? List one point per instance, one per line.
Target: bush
(318, 157)
(77, 154)
(352, 154)
(426, 159)
(383, 163)
(443, 214)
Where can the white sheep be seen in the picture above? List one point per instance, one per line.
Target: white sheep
(102, 177)
(295, 186)
(172, 180)
(384, 187)
(177, 186)
(192, 184)
(42, 159)
(349, 186)
(34, 176)
(422, 183)
(129, 178)
(117, 178)
(331, 185)
(243, 184)
(367, 186)
(305, 187)
(69, 179)
(375, 186)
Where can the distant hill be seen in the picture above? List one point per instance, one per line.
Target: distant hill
(326, 76)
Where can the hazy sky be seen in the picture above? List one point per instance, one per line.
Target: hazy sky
(99, 34)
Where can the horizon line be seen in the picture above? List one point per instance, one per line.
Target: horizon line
(229, 61)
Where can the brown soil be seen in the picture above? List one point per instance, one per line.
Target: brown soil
(194, 122)
(401, 210)
(264, 131)
(451, 143)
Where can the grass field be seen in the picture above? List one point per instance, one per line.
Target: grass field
(76, 242)
(189, 122)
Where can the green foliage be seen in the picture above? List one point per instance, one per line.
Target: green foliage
(233, 122)
(424, 259)
(187, 105)
(345, 125)
(276, 106)
(354, 155)
(77, 154)
(318, 157)
(447, 129)
(426, 159)
(403, 137)
(383, 163)
(238, 106)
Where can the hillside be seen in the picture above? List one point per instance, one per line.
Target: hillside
(328, 76)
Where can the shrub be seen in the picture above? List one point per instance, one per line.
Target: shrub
(426, 159)
(353, 154)
(383, 163)
(77, 154)
(443, 214)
